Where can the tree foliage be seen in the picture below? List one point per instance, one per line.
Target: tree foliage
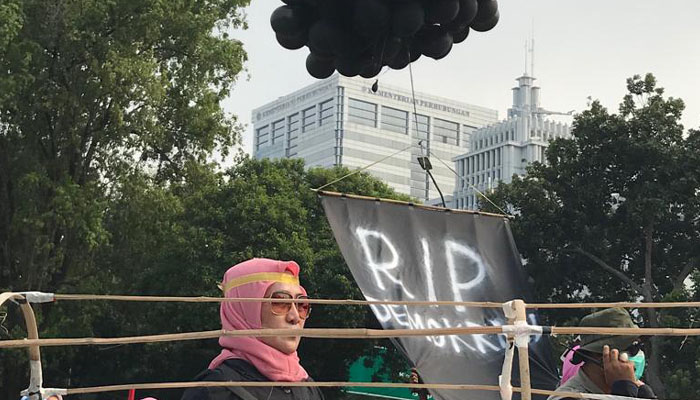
(94, 94)
(614, 214)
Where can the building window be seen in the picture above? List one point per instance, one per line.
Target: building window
(326, 112)
(293, 134)
(423, 128)
(446, 131)
(394, 120)
(308, 117)
(262, 137)
(362, 112)
(466, 135)
(277, 131)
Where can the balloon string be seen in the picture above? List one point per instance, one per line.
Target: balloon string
(413, 93)
(415, 114)
(479, 192)
(357, 171)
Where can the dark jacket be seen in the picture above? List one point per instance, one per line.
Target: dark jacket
(241, 370)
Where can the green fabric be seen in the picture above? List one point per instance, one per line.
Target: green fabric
(360, 372)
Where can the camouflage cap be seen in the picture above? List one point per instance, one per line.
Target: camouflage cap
(608, 318)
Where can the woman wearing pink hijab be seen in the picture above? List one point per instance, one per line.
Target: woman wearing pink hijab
(259, 359)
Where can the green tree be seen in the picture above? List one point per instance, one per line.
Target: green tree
(614, 214)
(91, 94)
(179, 239)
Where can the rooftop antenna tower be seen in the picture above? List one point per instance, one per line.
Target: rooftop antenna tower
(532, 50)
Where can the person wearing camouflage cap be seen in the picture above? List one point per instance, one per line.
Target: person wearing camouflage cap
(610, 363)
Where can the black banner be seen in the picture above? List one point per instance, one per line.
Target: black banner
(402, 252)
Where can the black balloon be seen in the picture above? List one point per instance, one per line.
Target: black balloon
(441, 11)
(460, 36)
(291, 42)
(323, 37)
(486, 25)
(349, 66)
(467, 12)
(391, 47)
(407, 19)
(487, 10)
(288, 21)
(370, 17)
(371, 69)
(401, 60)
(414, 51)
(434, 41)
(319, 67)
(359, 37)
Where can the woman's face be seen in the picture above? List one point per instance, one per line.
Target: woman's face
(274, 319)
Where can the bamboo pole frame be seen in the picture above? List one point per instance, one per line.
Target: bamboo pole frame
(34, 343)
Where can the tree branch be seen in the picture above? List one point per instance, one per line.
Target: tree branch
(637, 288)
(648, 246)
(683, 275)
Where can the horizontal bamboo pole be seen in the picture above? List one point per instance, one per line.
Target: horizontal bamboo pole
(404, 203)
(482, 304)
(440, 386)
(203, 299)
(357, 333)
(334, 333)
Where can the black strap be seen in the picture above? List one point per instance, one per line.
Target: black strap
(227, 374)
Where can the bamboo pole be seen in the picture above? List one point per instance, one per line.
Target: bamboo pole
(34, 349)
(444, 386)
(352, 302)
(404, 203)
(356, 333)
(523, 351)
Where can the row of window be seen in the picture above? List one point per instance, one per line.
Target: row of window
(468, 203)
(494, 139)
(395, 120)
(480, 162)
(320, 114)
(363, 113)
(489, 179)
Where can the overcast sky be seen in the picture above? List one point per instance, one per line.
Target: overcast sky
(582, 48)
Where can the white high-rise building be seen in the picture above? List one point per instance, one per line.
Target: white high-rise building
(499, 151)
(341, 121)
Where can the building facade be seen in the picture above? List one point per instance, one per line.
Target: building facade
(341, 122)
(501, 150)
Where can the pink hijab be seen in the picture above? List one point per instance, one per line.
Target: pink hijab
(568, 369)
(272, 363)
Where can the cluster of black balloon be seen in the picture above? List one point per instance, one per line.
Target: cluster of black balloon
(359, 37)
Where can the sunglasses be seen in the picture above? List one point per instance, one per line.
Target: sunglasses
(632, 350)
(304, 309)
